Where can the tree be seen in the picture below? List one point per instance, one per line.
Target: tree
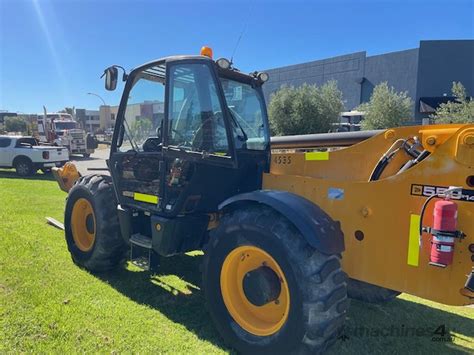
(386, 108)
(70, 110)
(305, 109)
(15, 124)
(459, 111)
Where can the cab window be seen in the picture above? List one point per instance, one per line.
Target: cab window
(246, 107)
(26, 142)
(5, 142)
(143, 115)
(196, 121)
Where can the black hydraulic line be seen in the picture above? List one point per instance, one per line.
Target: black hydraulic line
(381, 165)
(339, 139)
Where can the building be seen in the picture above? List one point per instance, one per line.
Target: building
(90, 119)
(104, 118)
(153, 110)
(426, 73)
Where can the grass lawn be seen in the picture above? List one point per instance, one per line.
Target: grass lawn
(47, 304)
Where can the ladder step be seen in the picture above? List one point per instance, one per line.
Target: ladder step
(141, 241)
(142, 262)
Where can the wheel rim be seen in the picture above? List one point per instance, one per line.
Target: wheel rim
(83, 224)
(261, 320)
(22, 168)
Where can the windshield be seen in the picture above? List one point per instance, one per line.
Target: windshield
(61, 126)
(195, 117)
(246, 106)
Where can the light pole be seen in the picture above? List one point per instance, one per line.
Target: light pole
(100, 97)
(103, 101)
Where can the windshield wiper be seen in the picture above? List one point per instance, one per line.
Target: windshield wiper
(244, 136)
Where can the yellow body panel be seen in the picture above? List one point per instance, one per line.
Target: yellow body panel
(66, 176)
(385, 210)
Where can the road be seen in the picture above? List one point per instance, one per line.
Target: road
(96, 160)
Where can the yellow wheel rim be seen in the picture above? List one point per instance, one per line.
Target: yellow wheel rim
(259, 320)
(83, 224)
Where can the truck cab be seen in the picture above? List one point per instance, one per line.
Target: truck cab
(62, 130)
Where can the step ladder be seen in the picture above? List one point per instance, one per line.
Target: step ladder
(142, 253)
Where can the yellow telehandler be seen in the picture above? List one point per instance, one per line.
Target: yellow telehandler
(287, 234)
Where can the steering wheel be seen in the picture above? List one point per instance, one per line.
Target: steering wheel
(152, 144)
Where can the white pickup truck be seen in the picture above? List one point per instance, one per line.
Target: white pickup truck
(27, 156)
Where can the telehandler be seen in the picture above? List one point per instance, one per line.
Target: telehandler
(287, 235)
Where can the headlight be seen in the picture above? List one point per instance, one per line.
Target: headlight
(223, 63)
(263, 77)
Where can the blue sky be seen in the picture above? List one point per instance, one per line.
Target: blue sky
(52, 52)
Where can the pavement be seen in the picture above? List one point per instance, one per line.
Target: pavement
(96, 160)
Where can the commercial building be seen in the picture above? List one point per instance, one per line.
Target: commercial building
(90, 119)
(426, 73)
(105, 117)
(153, 110)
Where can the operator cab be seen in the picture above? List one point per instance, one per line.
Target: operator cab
(190, 132)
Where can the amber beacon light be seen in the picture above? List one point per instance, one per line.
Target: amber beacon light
(206, 51)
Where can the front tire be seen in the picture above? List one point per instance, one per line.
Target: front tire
(91, 224)
(307, 310)
(86, 155)
(24, 166)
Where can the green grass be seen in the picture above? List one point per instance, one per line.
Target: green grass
(47, 304)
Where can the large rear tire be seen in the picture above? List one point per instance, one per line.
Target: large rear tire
(247, 254)
(91, 224)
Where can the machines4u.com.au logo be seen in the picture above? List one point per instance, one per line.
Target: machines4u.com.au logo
(439, 333)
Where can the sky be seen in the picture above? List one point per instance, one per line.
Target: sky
(52, 52)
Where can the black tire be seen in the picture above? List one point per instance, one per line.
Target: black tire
(108, 249)
(366, 292)
(86, 155)
(317, 285)
(24, 166)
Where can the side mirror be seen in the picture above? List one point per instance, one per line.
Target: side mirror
(111, 75)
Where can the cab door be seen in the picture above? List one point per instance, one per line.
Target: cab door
(136, 164)
(199, 154)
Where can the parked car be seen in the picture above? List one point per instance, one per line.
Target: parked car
(27, 156)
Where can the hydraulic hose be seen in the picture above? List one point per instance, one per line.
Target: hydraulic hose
(385, 159)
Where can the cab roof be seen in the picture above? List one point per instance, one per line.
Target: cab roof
(157, 68)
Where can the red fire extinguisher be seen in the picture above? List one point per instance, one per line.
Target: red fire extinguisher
(444, 230)
(445, 218)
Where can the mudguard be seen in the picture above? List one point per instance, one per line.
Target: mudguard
(316, 226)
